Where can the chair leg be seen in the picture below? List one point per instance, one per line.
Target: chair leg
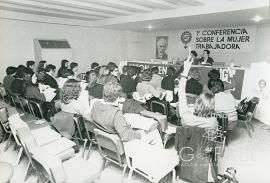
(8, 142)
(4, 138)
(173, 176)
(251, 125)
(223, 146)
(84, 146)
(123, 173)
(18, 158)
(88, 152)
(28, 171)
(248, 130)
(130, 175)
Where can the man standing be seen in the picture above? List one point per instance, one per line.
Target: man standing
(206, 60)
(161, 47)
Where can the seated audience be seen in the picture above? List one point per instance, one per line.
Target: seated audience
(74, 68)
(167, 82)
(94, 89)
(73, 98)
(128, 82)
(103, 74)
(48, 78)
(224, 101)
(113, 73)
(206, 60)
(215, 74)
(156, 78)
(41, 65)
(193, 85)
(32, 90)
(63, 68)
(18, 85)
(145, 87)
(31, 66)
(203, 113)
(9, 78)
(68, 74)
(196, 60)
(107, 113)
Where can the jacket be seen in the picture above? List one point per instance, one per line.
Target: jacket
(194, 160)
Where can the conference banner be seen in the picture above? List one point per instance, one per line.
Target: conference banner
(224, 39)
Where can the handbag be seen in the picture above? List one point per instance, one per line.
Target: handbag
(242, 109)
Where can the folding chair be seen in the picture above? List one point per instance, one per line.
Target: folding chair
(252, 106)
(223, 124)
(5, 125)
(15, 100)
(36, 108)
(3, 93)
(25, 105)
(142, 159)
(111, 149)
(52, 169)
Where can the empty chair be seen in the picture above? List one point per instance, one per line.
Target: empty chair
(73, 170)
(36, 108)
(5, 125)
(25, 105)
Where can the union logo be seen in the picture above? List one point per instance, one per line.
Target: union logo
(186, 37)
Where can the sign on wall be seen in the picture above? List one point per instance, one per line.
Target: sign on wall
(224, 38)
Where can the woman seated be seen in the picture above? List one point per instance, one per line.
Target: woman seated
(224, 101)
(203, 113)
(95, 90)
(108, 114)
(113, 73)
(128, 82)
(73, 98)
(103, 74)
(18, 85)
(67, 74)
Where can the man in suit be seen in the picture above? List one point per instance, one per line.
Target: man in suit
(206, 60)
(48, 77)
(162, 45)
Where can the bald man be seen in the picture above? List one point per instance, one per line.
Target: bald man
(161, 49)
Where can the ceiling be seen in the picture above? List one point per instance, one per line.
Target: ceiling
(136, 15)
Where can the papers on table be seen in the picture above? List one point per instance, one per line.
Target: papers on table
(58, 146)
(140, 122)
(48, 92)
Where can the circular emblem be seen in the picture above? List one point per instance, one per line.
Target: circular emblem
(186, 37)
(262, 84)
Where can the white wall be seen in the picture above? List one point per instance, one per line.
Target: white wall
(88, 44)
(175, 48)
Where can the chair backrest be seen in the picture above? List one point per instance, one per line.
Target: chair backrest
(36, 108)
(3, 93)
(252, 106)
(4, 120)
(25, 105)
(162, 107)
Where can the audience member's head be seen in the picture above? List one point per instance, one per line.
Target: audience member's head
(204, 105)
(112, 92)
(103, 71)
(68, 74)
(74, 67)
(125, 69)
(20, 71)
(154, 70)
(50, 69)
(214, 73)
(70, 91)
(215, 85)
(94, 65)
(41, 65)
(11, 70)
(132, 71)
(92, 78)
(113, 69)
(64, 63)
(28, 76)
(30, 64)
(195, 74)
(206, 53)
(40, 76)
(146, 75)
(193, 54)
(170, 71)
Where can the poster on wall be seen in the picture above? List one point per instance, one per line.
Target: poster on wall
(223, 38)
(161, 47)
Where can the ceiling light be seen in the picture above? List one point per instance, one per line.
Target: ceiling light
(257, 18)
(150, 27)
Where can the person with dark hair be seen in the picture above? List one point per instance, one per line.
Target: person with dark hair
(18, 85)
(206, 60)
(145, 87)
(194, 55)
(63, 68)
(224, 101)
(128, 82)
(193, 86)
(9, 78)
(94, 65)
(94, 89)
(68, 74)
(103, 74)
(113, 73)
(74, 67)
(156, 78)
(41, 65)
(48, 78)
(167, 82)
(31, 66)
(73, 98)
(124, 71)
